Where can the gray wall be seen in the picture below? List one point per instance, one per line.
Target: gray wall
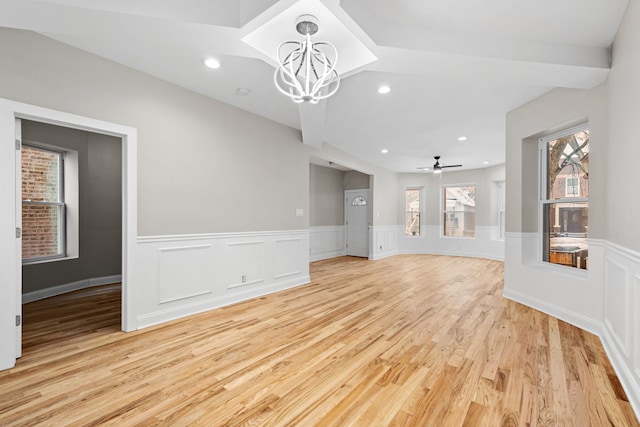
(326, 193)
(326, 196)
(100, 207)
(203, 166)
(383, 183)
(354, 180)
(621, 203)
(557, 110)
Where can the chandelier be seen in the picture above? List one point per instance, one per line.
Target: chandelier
(305, 72)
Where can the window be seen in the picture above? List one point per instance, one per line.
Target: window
(564, 197)
(572, 187)
(359, 201)
(459, 211)
(412, 209)
(43, 207)
(501, 205)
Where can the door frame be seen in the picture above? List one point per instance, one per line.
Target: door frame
(346, 217)
(11, 257)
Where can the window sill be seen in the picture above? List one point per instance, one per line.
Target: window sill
(45, 261)
(573, 272)
(457, 237)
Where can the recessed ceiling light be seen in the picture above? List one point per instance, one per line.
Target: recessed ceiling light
(212, 63)
(462, 138)
(241, 91)
(384, 151)
(485, 163)
(384, 89)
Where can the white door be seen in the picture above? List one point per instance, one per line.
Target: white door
(356, 211)
(19, 237)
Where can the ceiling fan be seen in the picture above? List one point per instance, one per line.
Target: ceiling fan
(437, 167)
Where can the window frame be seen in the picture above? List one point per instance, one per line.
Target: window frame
(502, 192)
(69, 188)
(567, 186)
(420, 210)
(543, 194)
(442, 212)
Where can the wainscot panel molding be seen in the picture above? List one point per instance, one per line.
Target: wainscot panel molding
(188, 274)
(326, 242)
(69, 287)
(621, 322)
(186, 265)
(604, 300)
(431, 241)
(385, 241)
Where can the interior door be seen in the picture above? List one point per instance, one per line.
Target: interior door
(357, 222)
(18, 302)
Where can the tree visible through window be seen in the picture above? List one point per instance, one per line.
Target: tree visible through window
(565, 204)
(43, 209)
(459, 216)
(412, 209)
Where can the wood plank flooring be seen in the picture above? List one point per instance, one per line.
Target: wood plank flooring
(411, 340)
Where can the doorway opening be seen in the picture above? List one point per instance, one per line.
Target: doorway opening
(71, 216)
(11, 215)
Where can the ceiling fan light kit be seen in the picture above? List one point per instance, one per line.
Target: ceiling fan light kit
(306, 70)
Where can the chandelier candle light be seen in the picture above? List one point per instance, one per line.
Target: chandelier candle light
(305, 72)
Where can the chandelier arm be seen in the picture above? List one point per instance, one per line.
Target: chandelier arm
(307, 73)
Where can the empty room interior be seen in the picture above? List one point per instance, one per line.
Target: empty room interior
(319, 212)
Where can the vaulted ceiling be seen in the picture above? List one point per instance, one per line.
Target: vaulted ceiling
(455, 67)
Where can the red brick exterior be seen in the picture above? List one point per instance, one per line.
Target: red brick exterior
(40, 182)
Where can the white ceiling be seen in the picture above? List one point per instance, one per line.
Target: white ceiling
(455, 67)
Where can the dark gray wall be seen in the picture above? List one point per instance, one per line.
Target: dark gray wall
(100, 206)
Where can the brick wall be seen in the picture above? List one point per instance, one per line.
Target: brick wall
(40, 183)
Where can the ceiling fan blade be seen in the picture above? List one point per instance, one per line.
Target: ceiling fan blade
(451, 166)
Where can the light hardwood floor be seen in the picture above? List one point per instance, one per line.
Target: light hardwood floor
(409, 340)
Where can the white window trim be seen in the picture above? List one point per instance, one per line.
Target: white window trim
(543, 200)
(443, 187)
(501, 208)
(71, 201)
(420, 212)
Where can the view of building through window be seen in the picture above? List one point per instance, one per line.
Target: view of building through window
(412, 218)
(42, 204)
(501, 209)
(459, 216)
(565, 206)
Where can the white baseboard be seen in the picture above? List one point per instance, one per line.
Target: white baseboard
(69, 287)
(201, 306)
(189, 274)
(624, 373)
(558, 312)
(605, 300)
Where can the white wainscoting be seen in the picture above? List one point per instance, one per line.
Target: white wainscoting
(389, 240)
(621, 321)
(385, 241)
(604, 300)
(184, 275)
(431, 241)
(326, 242)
